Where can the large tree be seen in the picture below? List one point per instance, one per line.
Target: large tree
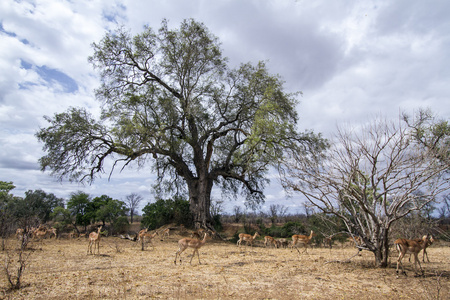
(370, 178)
(170, 98)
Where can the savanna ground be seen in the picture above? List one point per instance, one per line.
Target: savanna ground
(61, 269)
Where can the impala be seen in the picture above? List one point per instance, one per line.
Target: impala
(198, 233)
(165, 233)
(145, 235)
(302, 239)
(247, 237)
(282, 243)
(270, 240)
(94, 239)
(405, 246)
(183, 244)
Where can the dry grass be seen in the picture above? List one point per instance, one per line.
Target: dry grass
(61, 269)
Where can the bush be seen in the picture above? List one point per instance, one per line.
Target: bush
(275, 231)
(291, 228)
(121, 224)
(217, 223)
(164, 212)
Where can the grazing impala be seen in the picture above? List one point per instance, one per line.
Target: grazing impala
(429, 240)
(270, 240)
(247, 237)
(165, 233)
(405, 246)
(282, 243)
(147, 236)
(302, 239)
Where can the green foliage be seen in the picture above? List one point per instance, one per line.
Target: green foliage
(121, 224)
(164, 212)
(78, 206)
(217, 223)
(103, 209)
(276, 231)
(287, 230)
(170, 95)
(87, 211)
(6, 209)
(36, 207)
(291, 228)
(6, 187)
(114, 212)
(431, 133)
(42, 204)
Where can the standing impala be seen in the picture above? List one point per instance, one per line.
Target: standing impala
(302, 239)
(247, 237)
(429, 240)
(405, 246)
(183, 244)
(94, 240)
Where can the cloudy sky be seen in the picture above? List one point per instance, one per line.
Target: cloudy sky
(351, 59)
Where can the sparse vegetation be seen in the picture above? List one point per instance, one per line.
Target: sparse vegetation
(62, 270)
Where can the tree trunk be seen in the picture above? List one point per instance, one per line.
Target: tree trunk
(381, 252)
(200, 202)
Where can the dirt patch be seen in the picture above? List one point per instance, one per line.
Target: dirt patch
(61, 269)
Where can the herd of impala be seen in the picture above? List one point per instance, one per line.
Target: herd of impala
(403, 246)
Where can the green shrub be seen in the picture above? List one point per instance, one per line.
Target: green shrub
(168, 211)
(121, 224)
(291, 228)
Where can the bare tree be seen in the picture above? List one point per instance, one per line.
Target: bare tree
(217, 207)
(133, 201)
(237, 210)
(276, 211)
(370, 178)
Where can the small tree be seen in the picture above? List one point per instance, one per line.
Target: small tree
(431, 133)
(238, 213)
(162, 212)
(77, 205)
(133, 201)
(6, 213)
(113, 212)
(95, 210)
(42, 204)
(14, 267)
(370, 179)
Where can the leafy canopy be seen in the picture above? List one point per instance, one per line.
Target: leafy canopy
(169, 98)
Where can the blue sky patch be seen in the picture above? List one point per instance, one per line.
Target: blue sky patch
(7, 32)
(25, 65)
(53, 75)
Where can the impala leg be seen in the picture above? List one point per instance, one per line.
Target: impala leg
(416, 260)
(180, 250)
(198, 255)
(193, 254)
(176, 255)
(399, 262)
